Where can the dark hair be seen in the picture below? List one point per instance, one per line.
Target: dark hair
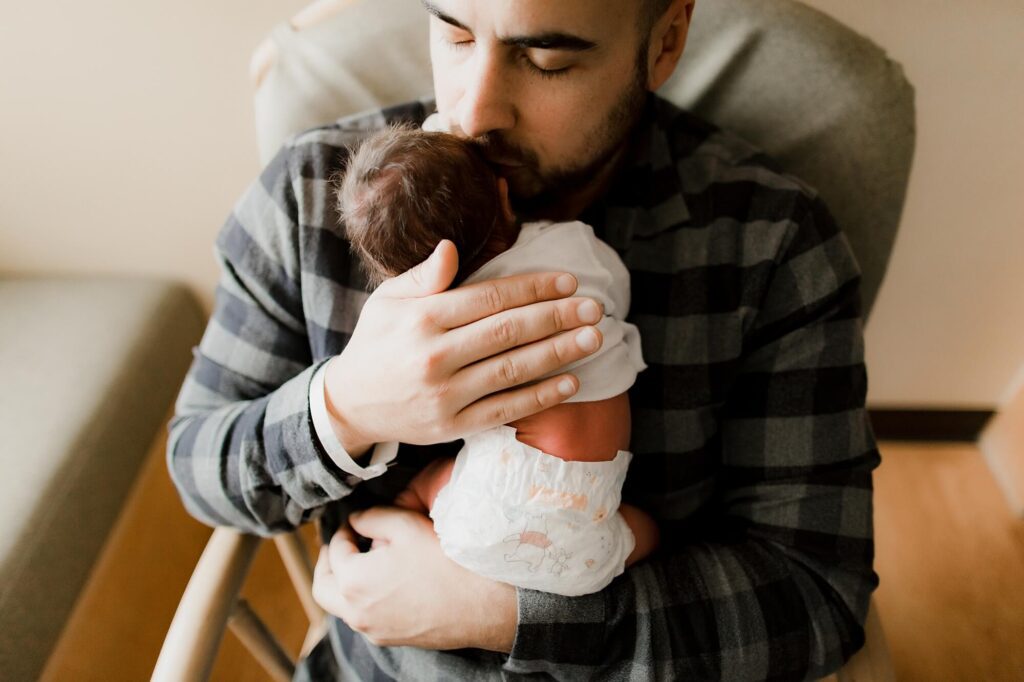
(650, 12)
(406, 189)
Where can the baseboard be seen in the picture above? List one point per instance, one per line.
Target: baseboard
(929, 425)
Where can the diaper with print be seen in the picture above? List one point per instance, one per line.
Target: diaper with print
(516, 514)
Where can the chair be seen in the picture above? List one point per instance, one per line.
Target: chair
(825, 102)
(90, 365)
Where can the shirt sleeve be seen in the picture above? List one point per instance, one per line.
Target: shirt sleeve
(242, 449)
(776, 584)
(382, 454)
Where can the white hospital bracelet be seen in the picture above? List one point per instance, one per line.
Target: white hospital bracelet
(382, 452)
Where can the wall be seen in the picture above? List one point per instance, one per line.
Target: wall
(948, 328)
(126, 132)
(142, 113)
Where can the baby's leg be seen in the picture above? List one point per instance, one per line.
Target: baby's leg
(645, 530)
(423, 488)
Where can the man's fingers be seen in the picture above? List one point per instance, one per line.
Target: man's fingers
(325, 588)
(508, 406)
(482, 299)
(343, 544)
(518, 327)
(521, 365)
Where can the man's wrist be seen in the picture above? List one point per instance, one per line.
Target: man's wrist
(323, 432)
(503, 606)
(344, 430)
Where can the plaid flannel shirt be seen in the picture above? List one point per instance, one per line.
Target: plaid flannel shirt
(752, 447)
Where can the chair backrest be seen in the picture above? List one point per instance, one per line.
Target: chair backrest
(822, 100)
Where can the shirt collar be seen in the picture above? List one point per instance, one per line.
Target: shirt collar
(634, 205)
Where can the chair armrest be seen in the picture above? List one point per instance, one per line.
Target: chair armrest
(192, 641)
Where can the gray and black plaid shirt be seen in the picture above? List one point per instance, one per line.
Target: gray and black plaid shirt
(752, 447)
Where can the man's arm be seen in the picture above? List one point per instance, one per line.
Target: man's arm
(242, 450)
(779, 587)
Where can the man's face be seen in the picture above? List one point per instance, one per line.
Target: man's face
(551, 88)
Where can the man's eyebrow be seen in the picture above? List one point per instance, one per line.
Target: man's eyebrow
(436, 11)
(550, 40)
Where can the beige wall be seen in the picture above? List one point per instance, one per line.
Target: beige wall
(127, 135)
(126, 132)
(948, 328)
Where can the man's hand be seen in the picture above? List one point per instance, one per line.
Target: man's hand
(406, 592)
(425, 365)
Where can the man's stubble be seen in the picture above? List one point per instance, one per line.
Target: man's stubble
(532, 189)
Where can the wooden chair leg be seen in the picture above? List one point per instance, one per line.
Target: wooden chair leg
(300, 570)
(260, 642)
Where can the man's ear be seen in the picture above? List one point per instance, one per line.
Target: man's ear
(668, 39)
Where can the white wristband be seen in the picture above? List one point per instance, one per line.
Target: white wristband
(383, 453)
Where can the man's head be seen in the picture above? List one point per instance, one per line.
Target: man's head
(404, 190)
(551, 90)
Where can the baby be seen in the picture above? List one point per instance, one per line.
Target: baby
(534, 503)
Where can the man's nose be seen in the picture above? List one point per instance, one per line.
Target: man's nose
(486, 105)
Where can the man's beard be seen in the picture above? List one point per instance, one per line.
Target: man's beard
(531, 189)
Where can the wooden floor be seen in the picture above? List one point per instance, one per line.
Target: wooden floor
(949, 553)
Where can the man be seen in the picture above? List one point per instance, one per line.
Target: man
(751, 444)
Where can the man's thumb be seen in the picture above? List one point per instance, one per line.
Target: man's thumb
(432, 276)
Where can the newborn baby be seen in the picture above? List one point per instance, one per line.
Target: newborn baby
(534, 503)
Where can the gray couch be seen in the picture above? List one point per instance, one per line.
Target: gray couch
(90, 367)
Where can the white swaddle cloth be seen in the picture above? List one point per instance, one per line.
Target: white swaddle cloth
(573, 247)
(518, 515)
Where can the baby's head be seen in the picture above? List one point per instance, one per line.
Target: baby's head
(405, 189)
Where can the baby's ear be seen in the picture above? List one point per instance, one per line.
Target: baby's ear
(506, 205)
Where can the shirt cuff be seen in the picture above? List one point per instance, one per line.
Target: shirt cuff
(383, 453)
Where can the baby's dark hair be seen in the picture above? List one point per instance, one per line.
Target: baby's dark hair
(406, 189)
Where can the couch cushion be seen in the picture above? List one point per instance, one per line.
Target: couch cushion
(90, 367)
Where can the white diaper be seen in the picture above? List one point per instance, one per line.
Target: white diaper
(518, 515)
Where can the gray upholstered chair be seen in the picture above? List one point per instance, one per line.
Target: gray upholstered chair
(825, 102)
(90, 367)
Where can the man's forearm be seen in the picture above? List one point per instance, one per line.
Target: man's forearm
(501, 611)
(227, 459)
(736, 611)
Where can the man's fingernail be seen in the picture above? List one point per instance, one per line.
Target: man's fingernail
(565, 284)
(566, 387)
(587, 340)
(589, 311)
